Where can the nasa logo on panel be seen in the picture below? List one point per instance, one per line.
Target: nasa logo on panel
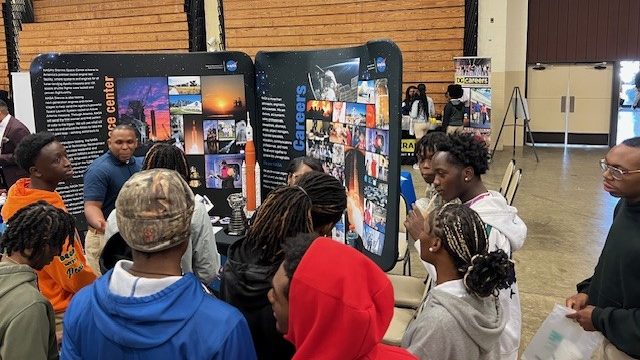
(381, 64)
(232, 65)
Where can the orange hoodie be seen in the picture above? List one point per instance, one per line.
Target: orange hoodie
(67, 273)
(340, 306)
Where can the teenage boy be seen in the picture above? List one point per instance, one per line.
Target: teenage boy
(322, 277)
(149, 309)
(34, 236)
(45, 160)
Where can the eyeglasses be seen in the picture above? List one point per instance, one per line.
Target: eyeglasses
(616, 173)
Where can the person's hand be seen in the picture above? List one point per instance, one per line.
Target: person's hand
(414, 223)
(102, 226)
(577, 301)
(583, 317)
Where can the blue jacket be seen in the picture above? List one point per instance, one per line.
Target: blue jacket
(179, 322)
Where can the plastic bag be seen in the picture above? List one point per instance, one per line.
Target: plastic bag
(561, 338)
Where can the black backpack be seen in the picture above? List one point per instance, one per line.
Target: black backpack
(457, 115)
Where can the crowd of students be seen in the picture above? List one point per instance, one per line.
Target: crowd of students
(288, 290)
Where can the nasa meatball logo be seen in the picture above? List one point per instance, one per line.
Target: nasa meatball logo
(381, 64)
(232, 65)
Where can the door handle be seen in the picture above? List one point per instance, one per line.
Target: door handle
(563, 104)
(572, 103)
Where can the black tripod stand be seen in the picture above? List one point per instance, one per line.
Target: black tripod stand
(516, 98)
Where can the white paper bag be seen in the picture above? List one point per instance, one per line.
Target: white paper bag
(561, 338)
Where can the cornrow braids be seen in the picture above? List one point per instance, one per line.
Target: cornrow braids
(464, 237)
(167, 156)
(37, 225)
(328, 197)
(284, 213)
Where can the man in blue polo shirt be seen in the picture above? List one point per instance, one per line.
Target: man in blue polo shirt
(102, 183)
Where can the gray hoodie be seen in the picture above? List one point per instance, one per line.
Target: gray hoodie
(507, 232)
(27, 322)
(455, 325)
(201, 256)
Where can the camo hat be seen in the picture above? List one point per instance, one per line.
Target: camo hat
(154, 209)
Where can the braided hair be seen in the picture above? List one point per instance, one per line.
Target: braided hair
(464, 237)
(167, 156)
(37, 225)
(284, 213)
(328, 197)
(29, 148)
(468, 150)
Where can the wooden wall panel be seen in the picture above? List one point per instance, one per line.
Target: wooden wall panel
(583, 31)
(105, 26)
(429, 32)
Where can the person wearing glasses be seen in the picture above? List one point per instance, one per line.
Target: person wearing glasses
(609, 301)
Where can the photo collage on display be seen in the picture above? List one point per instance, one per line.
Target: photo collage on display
(205, 116)
(347, 127)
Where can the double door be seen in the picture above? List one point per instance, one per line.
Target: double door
(570, 104)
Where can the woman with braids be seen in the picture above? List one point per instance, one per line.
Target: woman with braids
(35, 234)
(462, 317)
(315, 204)
(458, 170)
(201, 256)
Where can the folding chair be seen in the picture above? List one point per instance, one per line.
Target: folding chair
(513, 186)
(506, 179)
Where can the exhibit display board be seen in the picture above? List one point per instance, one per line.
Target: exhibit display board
(199, 102)
(335, 105)
(474, 74)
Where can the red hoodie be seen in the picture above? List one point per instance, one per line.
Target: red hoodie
(340, 305)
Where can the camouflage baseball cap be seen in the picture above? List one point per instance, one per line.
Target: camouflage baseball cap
(154, 209)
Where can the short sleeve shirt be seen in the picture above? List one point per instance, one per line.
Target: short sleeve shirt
(105, 177)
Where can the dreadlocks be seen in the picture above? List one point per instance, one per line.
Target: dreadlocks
(285, 213)
(37, 225)
(167, 156)
(464, 237)
(328, 197)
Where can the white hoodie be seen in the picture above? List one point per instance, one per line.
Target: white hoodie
(508, 233)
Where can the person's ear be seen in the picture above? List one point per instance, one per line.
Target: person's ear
(435, 245)
(468, 174)
(33, 171)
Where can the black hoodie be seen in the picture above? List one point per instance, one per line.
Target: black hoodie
(245, 284)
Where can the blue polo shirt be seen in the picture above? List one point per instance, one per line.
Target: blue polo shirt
(104, 179)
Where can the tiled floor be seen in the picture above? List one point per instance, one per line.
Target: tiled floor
(568, 215)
